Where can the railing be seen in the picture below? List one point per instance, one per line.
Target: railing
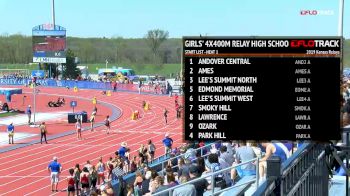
(212, 176)
(305, 173)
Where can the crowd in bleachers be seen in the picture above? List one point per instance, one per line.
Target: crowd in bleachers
(193, 163)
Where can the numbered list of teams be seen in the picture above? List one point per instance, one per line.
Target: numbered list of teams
(261, 88)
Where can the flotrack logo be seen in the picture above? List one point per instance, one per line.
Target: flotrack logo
(316, 12)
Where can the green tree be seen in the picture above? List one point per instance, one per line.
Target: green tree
(154, 39)
(70, 69)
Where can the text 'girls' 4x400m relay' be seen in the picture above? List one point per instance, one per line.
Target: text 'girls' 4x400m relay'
(262, 88)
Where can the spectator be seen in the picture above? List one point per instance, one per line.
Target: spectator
(170, 179)
(225, 160)
(130, 190)
(243, 154)
(127, 160)
(133, 164)
(159, 186)
(272, 149)
(118, 171)
(186, 190)
(212, 166)
(55, 168)
(200, 163)
(168, 142)
(255, 147)
(173, 162)
(108, 190)
(152, 182)
(184, 168)
(138, 179)
(146, 182)
(200, 185)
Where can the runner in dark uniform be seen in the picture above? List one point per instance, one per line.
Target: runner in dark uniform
(107, 124)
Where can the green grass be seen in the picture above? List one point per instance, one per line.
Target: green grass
(148, 69)
(8, 114)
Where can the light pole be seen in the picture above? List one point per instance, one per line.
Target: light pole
(340, 32)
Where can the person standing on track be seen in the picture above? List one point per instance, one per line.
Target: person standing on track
(166, 116)
(92, 120)
(11, 132)
(140, 86)
(77, 172)
(29, 113)
(78, 129)
(84, 180)
(101, 168)
(168, 142)
(71, 182)
(55, 168)
(43, 132)
(107, 124)
(151, 150)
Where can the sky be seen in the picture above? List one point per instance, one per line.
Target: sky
(133, 18)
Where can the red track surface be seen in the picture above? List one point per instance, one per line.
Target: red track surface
(24, 171)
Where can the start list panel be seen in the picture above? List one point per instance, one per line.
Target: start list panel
(262, 88)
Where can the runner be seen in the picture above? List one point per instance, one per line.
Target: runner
(71, 182)
(107, 124)
(29, 113)
(115, 86)
(84, 180)
(11, 132)
(110, 168)
(101, 171)
(140, 86)
(78, 129)
(166, 115)
(55, 168)
(92, 120)
(93, 178)
(77, 172)
(43, 132)
(176, 98)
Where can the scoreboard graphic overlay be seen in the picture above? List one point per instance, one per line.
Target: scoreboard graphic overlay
(262, 88)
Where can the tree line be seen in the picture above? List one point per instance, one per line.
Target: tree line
(154, 48)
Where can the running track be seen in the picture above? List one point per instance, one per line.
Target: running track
(24, 171)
